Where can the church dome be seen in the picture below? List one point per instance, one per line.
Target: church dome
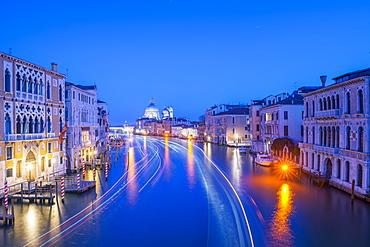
(152, 111)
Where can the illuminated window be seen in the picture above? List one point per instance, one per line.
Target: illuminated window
(9, 153)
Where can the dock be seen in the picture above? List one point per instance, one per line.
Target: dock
(84, 186)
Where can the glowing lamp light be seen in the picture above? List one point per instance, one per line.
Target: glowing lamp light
(284, 167)
(53, 160)
(131, 140)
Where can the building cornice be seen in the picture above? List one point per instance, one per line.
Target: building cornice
(338, 85)
(18, 60)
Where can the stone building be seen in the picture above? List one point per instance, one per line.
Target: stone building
(32, 99)
(336, 132)
(228, 125)
(83, 128)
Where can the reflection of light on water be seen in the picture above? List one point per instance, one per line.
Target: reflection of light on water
(31, 221)
(280, 232)
(236, 167)
(190, 170)
(144, 145)
(132, 189)
(167, 162)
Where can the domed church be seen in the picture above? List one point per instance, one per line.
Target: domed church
(152, 111)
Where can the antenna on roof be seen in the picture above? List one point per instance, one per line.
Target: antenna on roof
(10, 51)
(67, 73)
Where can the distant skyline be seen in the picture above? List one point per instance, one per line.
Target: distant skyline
(189, 54)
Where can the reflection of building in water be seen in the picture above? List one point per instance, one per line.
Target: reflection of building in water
(280, 232)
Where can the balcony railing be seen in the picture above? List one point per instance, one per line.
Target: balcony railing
(22, 137)
(327, 113)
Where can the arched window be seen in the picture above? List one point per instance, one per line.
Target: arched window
(321, 136)
(359, 175)
(332, 102)
(312, 161)
(306, 115)
(313, 108)
(329, 136)
(49, 125)
(324, 103)
(306, 135)
(348, 137)
(360, 101)
(7, 80)
(329, 103)
(37, 125)
(30, 84)
(333, 136)
(24, 84)
(338, 134)
(41, 91)
(325, 136)
(48, 91)
(25, 126)
(18, 125)
(30, 125)
(348, 100)
(35, 87)
(8, 124)
(318, 162)
(339, 168)
(360, 139)
(346, 175)
(320, 103)
(337, 101)
(42, 125)
(306, 159)
(18, 82)
(302, 158)
(60, 93)
(313, 135)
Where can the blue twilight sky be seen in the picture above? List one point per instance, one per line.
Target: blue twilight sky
(189, 54)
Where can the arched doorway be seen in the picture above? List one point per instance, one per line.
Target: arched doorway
(328, 168)
(30, 166)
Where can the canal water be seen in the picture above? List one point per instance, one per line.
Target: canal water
(295, 211)
(168, 204)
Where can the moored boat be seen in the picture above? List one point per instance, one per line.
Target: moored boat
(264, 160)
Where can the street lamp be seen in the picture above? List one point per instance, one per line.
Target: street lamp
(130, 140)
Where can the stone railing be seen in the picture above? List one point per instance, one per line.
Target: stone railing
(327, 113)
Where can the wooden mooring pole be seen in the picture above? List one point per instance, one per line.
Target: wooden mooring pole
(353, 191)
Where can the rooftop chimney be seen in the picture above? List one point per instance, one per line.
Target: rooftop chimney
(54, 67)
(323, 80)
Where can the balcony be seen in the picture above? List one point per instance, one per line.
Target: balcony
(327, 114)
(24, 137)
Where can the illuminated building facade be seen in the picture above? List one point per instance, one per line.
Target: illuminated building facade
(32, 99)
(83, 127)
(336, 141)
(228, 125)
(282, 118)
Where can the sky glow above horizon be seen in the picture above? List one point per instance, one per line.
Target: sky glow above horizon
(189, 54)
